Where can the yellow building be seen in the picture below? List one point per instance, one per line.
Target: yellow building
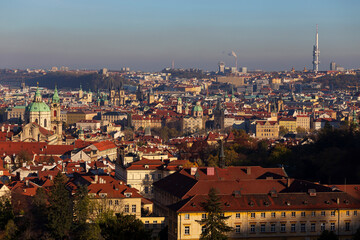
(260, 203)
(267, 129)
(303, 121)
(73, 117)
(289, 123)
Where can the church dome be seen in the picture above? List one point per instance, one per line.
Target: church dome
(38, 107)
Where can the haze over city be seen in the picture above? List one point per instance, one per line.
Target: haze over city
(148, 35)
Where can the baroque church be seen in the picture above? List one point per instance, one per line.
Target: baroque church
(43, 123)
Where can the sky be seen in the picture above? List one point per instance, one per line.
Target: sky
(147, 35)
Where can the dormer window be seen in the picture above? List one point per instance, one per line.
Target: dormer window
(128, 195)
(146, 166)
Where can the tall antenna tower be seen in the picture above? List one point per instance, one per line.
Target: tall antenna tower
(172, 64)
(316, 52)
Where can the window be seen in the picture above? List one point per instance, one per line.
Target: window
(312, 227)
(347, 213)
(187, 216)
(347, 226)
(146, 190)
(332, 213)
(116, 202)
(203, 228)
(252, 228)
(159, 176)
(282, 227)
(252, 215)
(187, 230)
(323, 213)
(203, 216)
(293, 214)
(153, 176)
(293, 227)
(313, 213)
(237, 215)
(355, 213)
(272, 227)
(332, 226)
(146, 224)
(133, 208)
(283, 214)
(302, 227)
(303, 214)
(110, 202)
(262, 228)
(273, 214)
(146, 176)
(237, 228)
(262, 214)
(126, 209)
(322, 227)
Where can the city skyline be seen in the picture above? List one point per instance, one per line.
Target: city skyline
(148, 36)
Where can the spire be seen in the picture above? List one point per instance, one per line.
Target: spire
(221, 155)
(38, 97)
(55, 97)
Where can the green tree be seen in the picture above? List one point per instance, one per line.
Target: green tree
(38, 212)
(60, 212)
(212, 161)
(6, 212)
(326, 235)
(83, 230)
(123, 227)
(214, 224)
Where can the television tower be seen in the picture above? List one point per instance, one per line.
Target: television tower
(316, 52)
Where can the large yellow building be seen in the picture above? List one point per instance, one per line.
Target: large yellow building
(260, 203)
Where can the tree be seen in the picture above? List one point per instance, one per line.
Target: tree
(283, 130)
(6, 213)
(10, 230)
(215, 227)
(357, 235)
(60, 212)
(82, 230)
(123, 227)
(326, 235)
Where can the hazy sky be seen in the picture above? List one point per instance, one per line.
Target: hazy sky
(149, 34)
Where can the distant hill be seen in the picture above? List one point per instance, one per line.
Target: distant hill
(341, 81)
(70, 80)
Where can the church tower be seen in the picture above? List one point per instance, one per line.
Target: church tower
(179, 106)
(55, 109)
(38, 111)
(81, 93)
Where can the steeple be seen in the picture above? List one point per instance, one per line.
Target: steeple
(55, 97)
(38, 97)
(221, 155)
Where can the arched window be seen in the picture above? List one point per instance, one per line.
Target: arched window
(37, 121)
(55, 113)
(45, 123)
(54, 127)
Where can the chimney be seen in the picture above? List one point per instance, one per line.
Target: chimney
(210, 171)
(337, 201)
(193, 171)
(288, 183)
(27, 183)
(248, 170)
(96, 178)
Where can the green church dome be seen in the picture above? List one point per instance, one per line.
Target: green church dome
(38, 107)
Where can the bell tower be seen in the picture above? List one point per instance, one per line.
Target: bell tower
(55, 110)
